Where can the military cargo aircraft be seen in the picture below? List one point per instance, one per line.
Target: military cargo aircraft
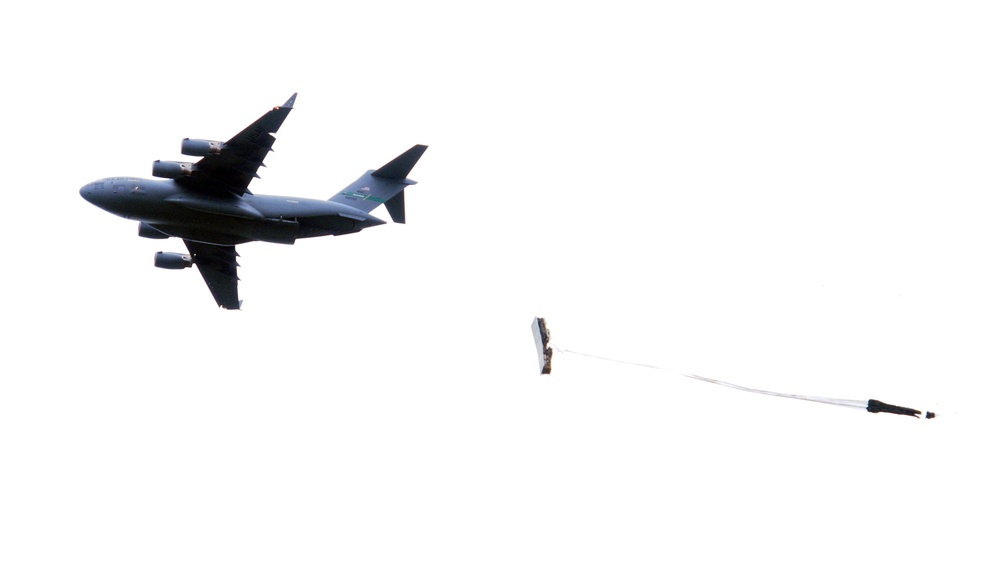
(207, 204)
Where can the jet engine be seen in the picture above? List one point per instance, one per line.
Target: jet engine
(201, 147)
(147, 231)
(172, 260)
(172, 169)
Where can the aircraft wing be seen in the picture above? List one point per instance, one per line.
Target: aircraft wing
(231, 170)
(217, 265)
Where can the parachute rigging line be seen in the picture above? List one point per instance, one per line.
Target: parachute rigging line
(872, 405)
(545, 348)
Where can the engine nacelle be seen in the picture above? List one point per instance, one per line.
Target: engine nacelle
(172, 260)
(172, 169)
(201, 147)
(147, 231)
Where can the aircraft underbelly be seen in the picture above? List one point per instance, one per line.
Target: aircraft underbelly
(229, 221)
(227, 230)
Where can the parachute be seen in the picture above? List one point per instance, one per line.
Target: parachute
(542, 337)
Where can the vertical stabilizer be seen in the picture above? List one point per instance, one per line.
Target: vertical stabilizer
(383, 186)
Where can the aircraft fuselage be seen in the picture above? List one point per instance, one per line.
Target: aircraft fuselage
(177, 211)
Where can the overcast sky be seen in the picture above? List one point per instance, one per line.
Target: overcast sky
(782, 195)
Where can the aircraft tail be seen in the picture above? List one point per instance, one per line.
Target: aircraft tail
(384, 185)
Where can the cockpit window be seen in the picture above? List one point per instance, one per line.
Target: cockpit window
(125, 185)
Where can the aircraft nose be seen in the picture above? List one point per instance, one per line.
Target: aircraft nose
(93, 193)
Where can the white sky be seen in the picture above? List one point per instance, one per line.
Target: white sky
(781, 195)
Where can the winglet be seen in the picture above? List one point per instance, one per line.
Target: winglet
(291, 101)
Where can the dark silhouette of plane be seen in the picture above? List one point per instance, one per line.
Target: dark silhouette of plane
(206, 203)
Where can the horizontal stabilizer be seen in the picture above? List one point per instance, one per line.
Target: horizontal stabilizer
(397, 208)
(400, 167)
(383, 186)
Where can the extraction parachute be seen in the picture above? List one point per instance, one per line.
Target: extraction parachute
(543, 337)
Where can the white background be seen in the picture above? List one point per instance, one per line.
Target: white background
(793, 196)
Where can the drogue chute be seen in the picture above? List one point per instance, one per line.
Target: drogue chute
(542, 337)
